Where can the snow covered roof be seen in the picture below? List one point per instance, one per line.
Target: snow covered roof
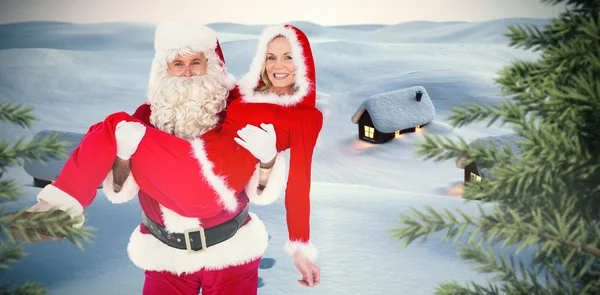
(397, 110)
(497, 142)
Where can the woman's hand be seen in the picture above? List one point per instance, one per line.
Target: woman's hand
(311, 274)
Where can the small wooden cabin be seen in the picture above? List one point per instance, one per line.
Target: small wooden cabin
(386, 116)
(476, 171)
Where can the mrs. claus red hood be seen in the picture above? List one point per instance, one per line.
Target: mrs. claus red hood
(305, 94)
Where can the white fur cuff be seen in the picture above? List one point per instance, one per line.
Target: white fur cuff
(275, 184)
(127, 193)
(63, 201)
(307, 249)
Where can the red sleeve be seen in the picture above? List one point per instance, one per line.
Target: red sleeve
(143, 113)
(303, 139)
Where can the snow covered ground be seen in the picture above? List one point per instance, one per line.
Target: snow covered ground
(74, 75)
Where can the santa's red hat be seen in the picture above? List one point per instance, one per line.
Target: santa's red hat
(182, 36)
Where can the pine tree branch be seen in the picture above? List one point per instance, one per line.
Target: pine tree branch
(39, 149)
(10, 190)
(10, 253)
(489, 262)
(454, 288)
(16, 114)
(54, 223)
(505, 224)
(28, 288)
(527, 37)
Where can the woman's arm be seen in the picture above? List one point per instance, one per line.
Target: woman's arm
(303, 138)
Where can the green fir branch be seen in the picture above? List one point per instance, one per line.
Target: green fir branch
(16, 114)
(28, 288)
(509, 225)
(454, 288)
(527, 37)
(10, 253)
(10, 190)
(38, 149)
(54, 223)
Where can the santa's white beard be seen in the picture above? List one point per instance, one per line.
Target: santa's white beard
(188, 106)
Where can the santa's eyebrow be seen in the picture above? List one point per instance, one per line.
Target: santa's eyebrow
(283, 54)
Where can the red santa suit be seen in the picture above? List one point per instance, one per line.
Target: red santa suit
(75, 188)
(225, 166)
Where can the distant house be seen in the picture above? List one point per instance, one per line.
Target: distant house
(385, 116)
(476, 170)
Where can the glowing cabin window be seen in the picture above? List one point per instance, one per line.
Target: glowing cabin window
(369, 132)
(397, 134)
(475, 177)
(417, 128)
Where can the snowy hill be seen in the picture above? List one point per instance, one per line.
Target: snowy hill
(74, 75)
(350, 256)
(138, 36)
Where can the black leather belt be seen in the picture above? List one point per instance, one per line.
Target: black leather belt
(196, 239)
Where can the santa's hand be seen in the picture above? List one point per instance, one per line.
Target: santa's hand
(259, 142)
(129, 135)
(311, 274)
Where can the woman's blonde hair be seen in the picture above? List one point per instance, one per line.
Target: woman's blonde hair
(264, 77)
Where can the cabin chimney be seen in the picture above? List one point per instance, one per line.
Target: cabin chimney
(419, 95)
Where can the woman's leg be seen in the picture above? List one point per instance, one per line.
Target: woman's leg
(90, 162)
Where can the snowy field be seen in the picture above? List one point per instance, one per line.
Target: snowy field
(75, 75)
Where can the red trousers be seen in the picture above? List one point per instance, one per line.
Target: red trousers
(163, 167)
(234, 280)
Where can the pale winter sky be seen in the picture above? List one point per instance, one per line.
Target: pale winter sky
(324, 12)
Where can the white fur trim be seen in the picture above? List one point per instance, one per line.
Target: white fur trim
(249, 243)
(127, 193)
(176, 223)
(307, 249)
(218, 183)
(250, 80)
(230, 81)
(63, 201)
(275, 184)
(180, 35)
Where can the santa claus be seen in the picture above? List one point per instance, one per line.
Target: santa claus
(181, 247)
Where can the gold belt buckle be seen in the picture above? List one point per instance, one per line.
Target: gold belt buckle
(188, 245)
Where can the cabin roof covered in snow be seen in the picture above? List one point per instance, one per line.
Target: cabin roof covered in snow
(498, 142)
(397, 110)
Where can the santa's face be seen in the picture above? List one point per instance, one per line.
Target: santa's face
(188, 106)
(187, 66)
(279, 64)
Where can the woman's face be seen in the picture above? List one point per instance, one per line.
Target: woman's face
(279, 64)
